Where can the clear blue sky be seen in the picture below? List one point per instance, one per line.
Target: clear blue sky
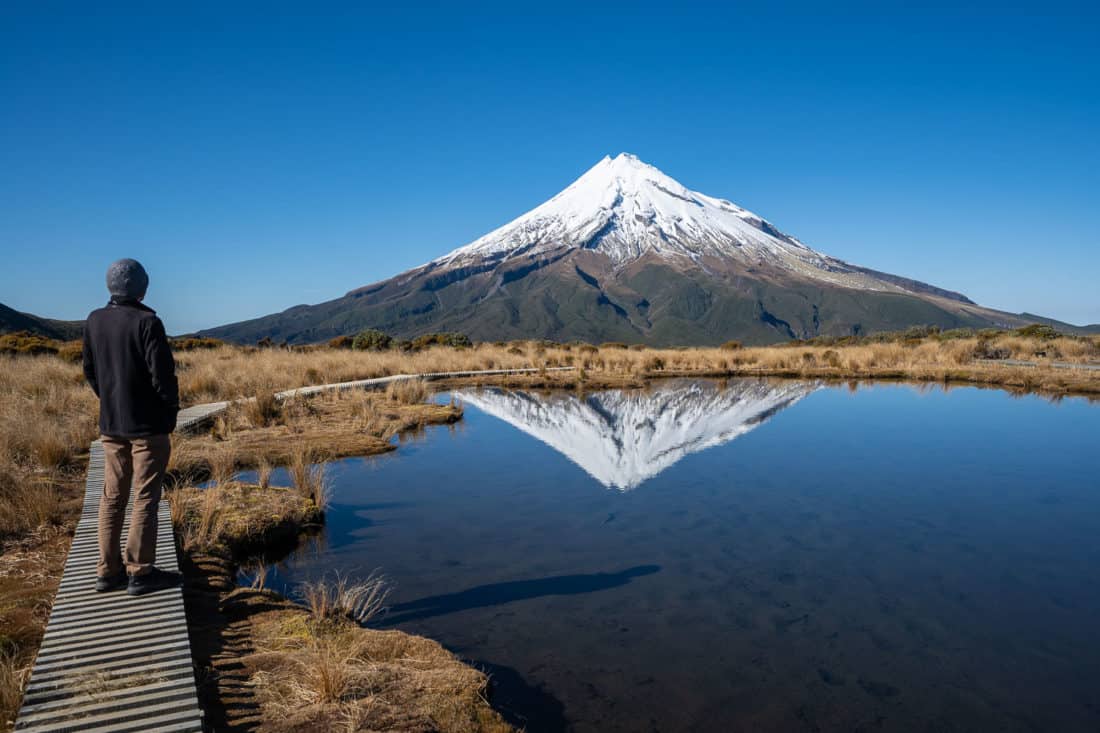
(255, 157)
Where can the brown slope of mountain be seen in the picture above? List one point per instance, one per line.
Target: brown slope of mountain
(577, 294)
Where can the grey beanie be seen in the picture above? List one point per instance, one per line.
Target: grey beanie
(126, 278)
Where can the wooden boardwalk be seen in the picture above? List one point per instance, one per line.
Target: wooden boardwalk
(1090, 366)
(114, 663)
(110, 661)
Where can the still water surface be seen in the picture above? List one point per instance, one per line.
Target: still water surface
(746, 555)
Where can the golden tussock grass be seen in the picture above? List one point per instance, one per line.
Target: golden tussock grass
(335, 675)
(30, 569)
(229, 372)
(14, 671)
(308, 477)
(48, 418)
(311, 430)
(338, 596)
(229, 519)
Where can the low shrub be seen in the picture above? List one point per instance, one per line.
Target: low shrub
(1038, 331)
(371, 340)
(456, 340)
(25, 343)
(191, 343)
(731, 345)
(341, 342)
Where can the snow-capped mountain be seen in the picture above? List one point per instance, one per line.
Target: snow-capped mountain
(627, 253)
(622, 438)
(624, 208)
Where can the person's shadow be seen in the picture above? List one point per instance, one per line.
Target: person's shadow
(496, 594)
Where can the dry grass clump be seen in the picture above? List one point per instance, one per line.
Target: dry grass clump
(407, 391)
(335, 675)
(263, 409)
(27, 502)
(47, 414)
(308, 478)
(329, 598)
(30, 568)
(228, 519)
(313, 429)
(47, 419)
(13, 677)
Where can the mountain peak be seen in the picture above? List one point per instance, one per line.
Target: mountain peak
(626, 208)
(627, 171)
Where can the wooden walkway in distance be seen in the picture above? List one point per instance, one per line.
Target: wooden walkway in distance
(114, 663)
(1091, 366)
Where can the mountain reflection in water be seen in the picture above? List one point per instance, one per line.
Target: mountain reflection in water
(624, 437)
(887, 558)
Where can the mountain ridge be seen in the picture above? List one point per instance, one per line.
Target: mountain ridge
(12, 321)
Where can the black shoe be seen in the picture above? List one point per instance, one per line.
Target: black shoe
(105, 583)
(154, 580)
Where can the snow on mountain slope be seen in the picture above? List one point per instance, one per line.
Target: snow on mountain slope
(625, 208)
(622, 438)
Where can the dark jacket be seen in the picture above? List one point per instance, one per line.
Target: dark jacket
(129, 364)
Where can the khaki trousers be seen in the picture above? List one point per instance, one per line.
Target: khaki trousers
(139, 463)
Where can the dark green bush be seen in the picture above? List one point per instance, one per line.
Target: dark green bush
(371, 340)
(1038, 331)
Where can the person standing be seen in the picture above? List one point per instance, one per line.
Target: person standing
(128, 363)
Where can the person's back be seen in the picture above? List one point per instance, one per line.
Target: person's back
(128, 363)
(130, 366)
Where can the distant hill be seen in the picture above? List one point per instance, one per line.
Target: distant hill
(626, 253)
(1063, 327)
(12, 320)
